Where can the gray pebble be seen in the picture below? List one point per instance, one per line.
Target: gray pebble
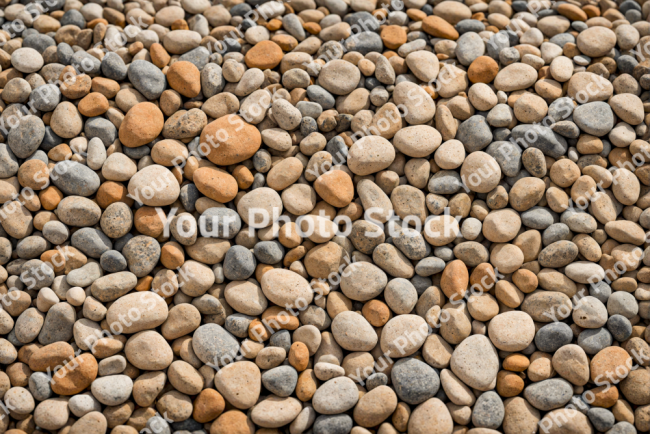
(622, 428)
(620, 327)
(469, 25)
(282, 339)
(238, 324)
(39, 386)
(50, 140)
(199, 56)
(65, 52)
(594, 340)
(364, 43)
(147, 78)
(622, 303)
(8, 162)
(556, 232)
(212, 81)
(469, 46)
(112, 261)
(239, 263)
(601, 418)
(75, 179)
(496, 44)
(85, 275)
(549, 394)
(213, 345)
(429, 266)
(38, 42)
(508, 155)
(319, 95)
(137, 152)
(92, 242)
(113, 67)
(560, 109)
(412, 244)
(280, 381)
(86, 63)
(293, 25)
(601, 291)
(562, 39)
(333, 424)
(488, 411)
(337, 149)
(553, 336)
(33, 246)
(35, 274)
(538, 217)
(566, 129)
(414, 381)
(444, 253)
(142, 254)
(189, 195)
(421, 283)
(220, 223)
(58, 324)
(579, 403)
(595, 118)
(309, 109)
(445, 182)
(46, 97)
(25, 138)
(55, 232)
(363, 19)
(190, 425)
(540, 137)
(509, 55)
(73, 17)
(375, 380)
(474, 133)
(102, 128)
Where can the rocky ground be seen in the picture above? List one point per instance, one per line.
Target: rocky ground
(324, 217)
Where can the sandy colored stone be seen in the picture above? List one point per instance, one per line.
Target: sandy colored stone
(143, 123)
(264, 55)
(230, 140)
(438, 27)
(335, 187)
(71, 381)
(184, 78)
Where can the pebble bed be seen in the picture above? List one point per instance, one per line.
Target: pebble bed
(324, 217)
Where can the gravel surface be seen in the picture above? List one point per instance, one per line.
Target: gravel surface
(324, 217)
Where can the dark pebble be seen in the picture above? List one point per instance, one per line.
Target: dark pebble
(488, 412)
(280, 381)
(92, 242)
(333, 424)
(594, 340)
(553, 336)
(620, 327)
(601, 418)
(414, 381)
(113, 261)
(239, 263)
(269, 252)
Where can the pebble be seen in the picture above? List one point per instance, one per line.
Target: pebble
(512, 331)
(414, 381)
(548, 394)
(475, 362)
(213, 344)
(335, 396)
(488, 411)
